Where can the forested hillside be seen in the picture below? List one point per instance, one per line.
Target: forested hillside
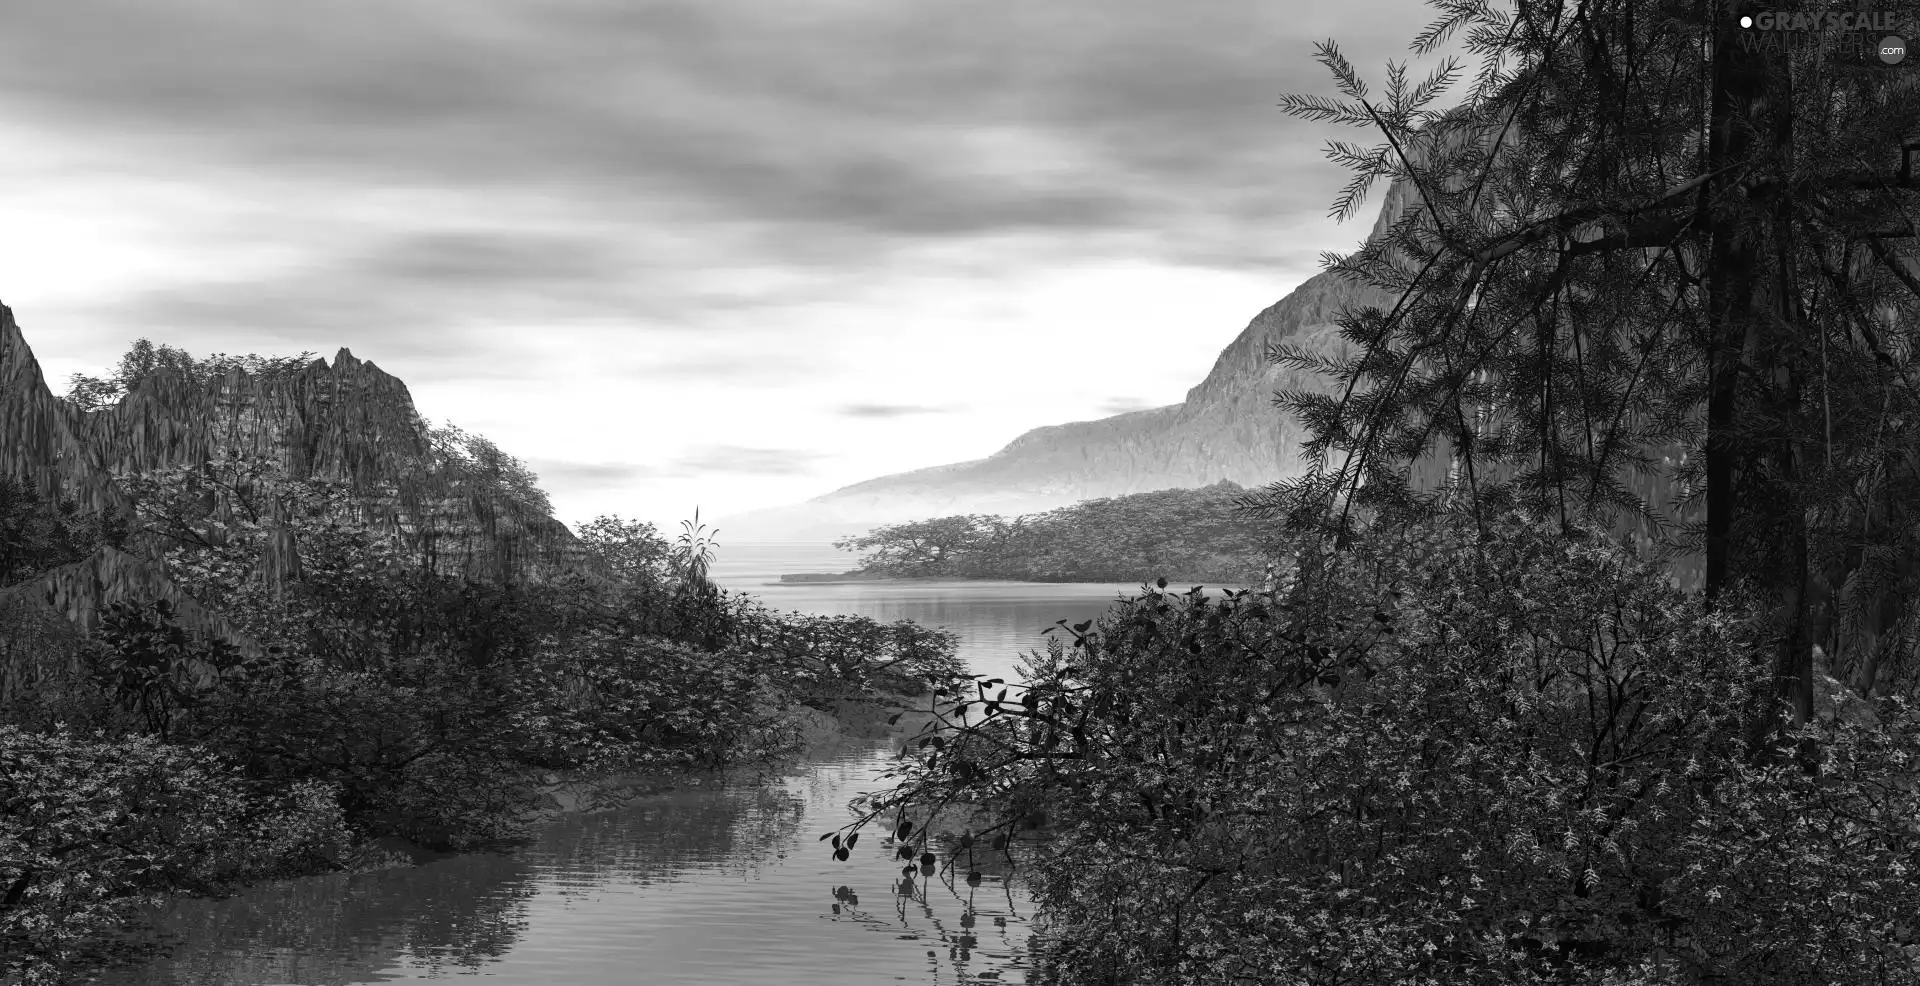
(1198, 535)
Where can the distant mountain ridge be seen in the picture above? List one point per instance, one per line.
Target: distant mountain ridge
(1226, 429)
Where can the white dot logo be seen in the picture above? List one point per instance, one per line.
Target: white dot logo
(1746, 22)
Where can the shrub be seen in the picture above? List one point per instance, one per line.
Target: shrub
(1439, 758)
(90, 830)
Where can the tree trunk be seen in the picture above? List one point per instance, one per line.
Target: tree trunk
(1738, 77)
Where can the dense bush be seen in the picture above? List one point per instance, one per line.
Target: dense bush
(91, 829)
(1196, 535)
(36, 535)
(1437, 758)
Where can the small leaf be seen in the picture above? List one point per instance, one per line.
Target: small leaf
(829, 835)
(841, 855)
(906, 829)
(851, 839)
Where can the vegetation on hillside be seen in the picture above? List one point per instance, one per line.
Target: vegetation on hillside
(1197, 535)
(365, 697)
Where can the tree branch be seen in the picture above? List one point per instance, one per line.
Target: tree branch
(1898, 271)
(1567, 222)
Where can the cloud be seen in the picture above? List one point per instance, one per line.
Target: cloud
(887, 410)
(813, 133)
(590, 475)
(739, 459)
(1121, 405)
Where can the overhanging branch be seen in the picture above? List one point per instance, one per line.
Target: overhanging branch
(1565, 223)
(1652, 231)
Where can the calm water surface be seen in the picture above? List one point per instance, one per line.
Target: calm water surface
(996, 621)
(724, 884)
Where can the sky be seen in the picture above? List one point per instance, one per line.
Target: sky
(684, 253)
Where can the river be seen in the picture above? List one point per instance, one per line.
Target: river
(703, 886)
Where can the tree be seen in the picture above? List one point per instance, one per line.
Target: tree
(921, 547)
(633, 551)
(1648, 240)
(143, 359)
(1191, 535)
(36, 535)
(478, 457)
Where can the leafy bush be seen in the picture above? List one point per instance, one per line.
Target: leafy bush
(90, 830)
(37, 535)
(1438, 758)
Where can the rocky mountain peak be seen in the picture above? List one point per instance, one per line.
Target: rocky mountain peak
(347, 421)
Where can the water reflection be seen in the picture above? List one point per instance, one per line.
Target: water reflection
(700, 886)
(720, 885)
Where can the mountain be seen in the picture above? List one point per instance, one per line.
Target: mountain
(1226, 429)
(348, 421)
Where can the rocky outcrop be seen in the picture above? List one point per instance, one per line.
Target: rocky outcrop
(348, 421)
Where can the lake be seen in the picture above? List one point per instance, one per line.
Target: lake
(723, 884)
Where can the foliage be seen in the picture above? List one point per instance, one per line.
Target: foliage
(150, 663)
(1689, 308)
(827, 658)
(143, 359)
(425, 700)
(633, 551)
(93, 829)
(36, 535)
(479, 458)
(1199, 535)
(1440, 757)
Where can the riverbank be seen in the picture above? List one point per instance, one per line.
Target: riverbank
(849, 722)
(1240, 580)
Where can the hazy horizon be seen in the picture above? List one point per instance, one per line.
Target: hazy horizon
(717, 254)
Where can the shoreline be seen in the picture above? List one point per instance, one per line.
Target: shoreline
(853, 722)
(825, 578)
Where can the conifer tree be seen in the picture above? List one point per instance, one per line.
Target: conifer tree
(1658, 270)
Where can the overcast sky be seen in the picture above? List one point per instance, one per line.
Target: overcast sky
(714, 252)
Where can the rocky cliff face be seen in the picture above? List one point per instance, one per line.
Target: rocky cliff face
(348, 421)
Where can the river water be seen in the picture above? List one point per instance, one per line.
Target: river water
(703, 886)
